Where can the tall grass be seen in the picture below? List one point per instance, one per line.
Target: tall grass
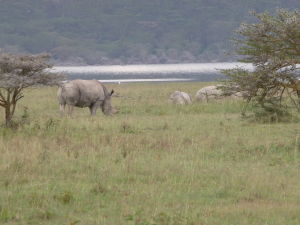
(153, 163)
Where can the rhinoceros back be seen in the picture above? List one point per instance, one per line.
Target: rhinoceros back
(81, 93)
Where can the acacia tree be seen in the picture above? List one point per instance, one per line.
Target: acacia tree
(272, 45)
(18, 72)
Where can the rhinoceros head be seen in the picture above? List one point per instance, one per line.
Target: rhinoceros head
(107, 108)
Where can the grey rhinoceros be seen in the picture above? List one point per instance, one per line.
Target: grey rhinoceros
(180, 98)
(85, 93)
(215, 92)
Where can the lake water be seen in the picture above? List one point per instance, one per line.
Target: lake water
(150, 73)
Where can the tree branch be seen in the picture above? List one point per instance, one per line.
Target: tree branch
(293, 101)
(19, 97)
(8, 94)
(1, 96)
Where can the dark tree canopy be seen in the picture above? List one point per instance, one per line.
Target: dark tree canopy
(18, 72)
(272, 45)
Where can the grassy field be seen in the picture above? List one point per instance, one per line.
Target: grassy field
(152, 164)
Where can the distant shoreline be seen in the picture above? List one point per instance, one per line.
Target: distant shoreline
(150, 72)
(152, 68)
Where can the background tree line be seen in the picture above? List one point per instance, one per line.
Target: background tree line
(137, 31)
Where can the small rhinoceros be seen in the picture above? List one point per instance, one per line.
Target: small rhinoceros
(180, 98)
(216, 92)
(208, 93)
(85, 93)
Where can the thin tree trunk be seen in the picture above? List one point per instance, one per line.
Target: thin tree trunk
(295, 102)
(298, 96)
(9, 103)
(8, 116)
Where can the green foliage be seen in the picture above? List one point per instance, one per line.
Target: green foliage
(270, 112)
(272, 46)
(108, 31)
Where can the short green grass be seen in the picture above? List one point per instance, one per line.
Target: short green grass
(151, 164)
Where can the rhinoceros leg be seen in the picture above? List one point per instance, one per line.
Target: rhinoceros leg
(93, 109)
(70, 109)
(62, 109)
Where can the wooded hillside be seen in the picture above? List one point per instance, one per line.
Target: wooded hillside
(131, 31)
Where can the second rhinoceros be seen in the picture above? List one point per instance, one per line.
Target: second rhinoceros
(85, 93)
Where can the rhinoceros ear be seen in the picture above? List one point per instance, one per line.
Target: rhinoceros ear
(112, 91)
